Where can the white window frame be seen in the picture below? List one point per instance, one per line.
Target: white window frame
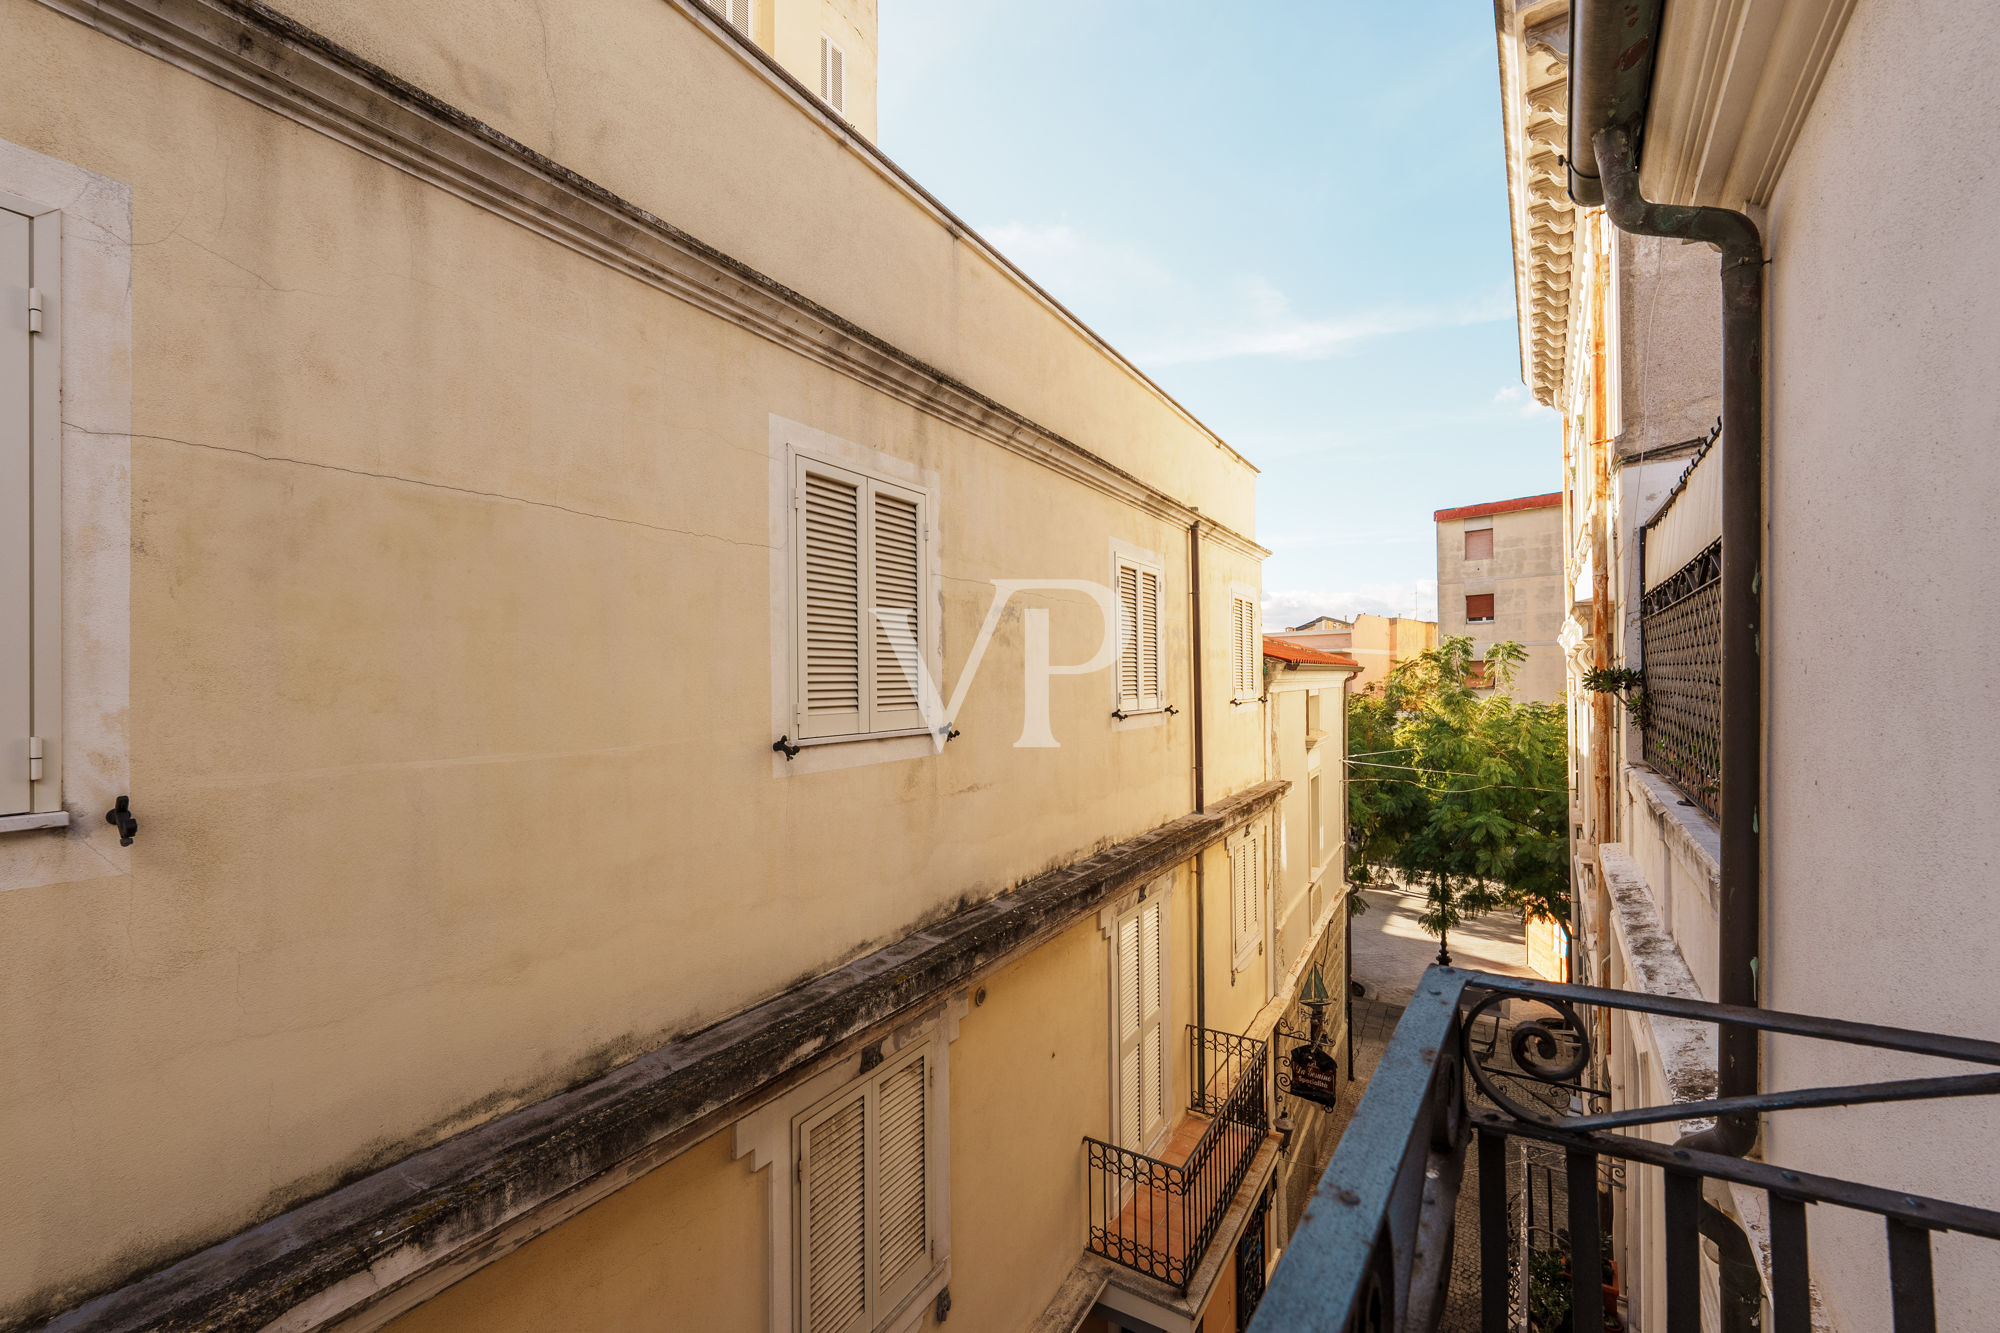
(790, 442)
(31, 755)
(1249, 878)
(1141, 563)
(1246, 645)
(81, 446)
(771, 1138)
(1109, 919)
(828, 49)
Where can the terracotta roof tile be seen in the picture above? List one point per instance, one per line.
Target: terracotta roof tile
(1550, 501)
(1281, 651)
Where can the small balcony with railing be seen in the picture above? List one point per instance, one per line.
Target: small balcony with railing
(1385, 1246)
(1161, 1216)
(1680, 633)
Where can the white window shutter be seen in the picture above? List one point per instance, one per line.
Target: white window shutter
(833, 1174)
(1129, 632)
(17, 640)
(1140, 983)
(1152, 1003)
(1131, 1113)
(829, 556)
(902, 1174)
(895, 592)
(739, 15)
(832, 74)
(1150, 688)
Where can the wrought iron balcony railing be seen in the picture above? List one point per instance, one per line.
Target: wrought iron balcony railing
(1374, 1251)
(1159, 1217)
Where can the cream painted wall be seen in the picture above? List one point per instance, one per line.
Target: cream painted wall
(1669, 353)
(1031, 1076)
(449, 632)
(793, 37)
(1525, 576)
(1879, 816)
(681, 1248)
(702, 138)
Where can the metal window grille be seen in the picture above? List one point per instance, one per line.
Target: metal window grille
(1680, 631)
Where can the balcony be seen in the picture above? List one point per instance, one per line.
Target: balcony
(1159, 1215)
(1680, 633)
(1374, 1252)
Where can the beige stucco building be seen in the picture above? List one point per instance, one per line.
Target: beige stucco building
(699, 747)
(1376, 643)
(1500, 579)
(1839, 873)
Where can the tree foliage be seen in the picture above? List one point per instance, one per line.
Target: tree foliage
(1464, 793)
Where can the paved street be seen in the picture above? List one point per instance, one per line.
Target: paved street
(1391, 950)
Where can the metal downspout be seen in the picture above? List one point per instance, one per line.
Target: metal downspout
(1200, 787)
(1610, 82)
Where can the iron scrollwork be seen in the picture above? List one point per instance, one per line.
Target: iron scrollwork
(1552, 1049)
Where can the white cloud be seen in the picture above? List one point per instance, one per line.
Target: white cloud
(1284, 607)
(1247, 316)
(1516, 397)
(1273, 331)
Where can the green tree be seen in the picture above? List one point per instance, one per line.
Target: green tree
(1465, 793)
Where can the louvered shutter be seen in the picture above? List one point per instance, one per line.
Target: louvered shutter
(902, 1191)
(1152, 1006)
(832, 74)
(1150, 688)
(1246, 878)
(1247, 657)
(17, 494)
(1236, 642)
(1141, 995)
(833, 1225)
(895, 592)
(1131, 1112)
(1129, 632)
(830, 551)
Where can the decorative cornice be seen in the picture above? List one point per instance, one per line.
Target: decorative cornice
(251, 50)
(356, 1258)
(1534, 93)
(1731, 90)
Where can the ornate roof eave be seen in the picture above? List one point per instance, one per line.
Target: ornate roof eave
(1534, 97)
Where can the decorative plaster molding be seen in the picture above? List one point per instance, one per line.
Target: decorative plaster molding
(1731, 90)
(1534, 101)
(251, 50)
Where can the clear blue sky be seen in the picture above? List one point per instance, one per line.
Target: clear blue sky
(1292, 215)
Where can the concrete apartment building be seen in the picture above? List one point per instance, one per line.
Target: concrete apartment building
(1376, 643)
(611, 721)
(1500, 578)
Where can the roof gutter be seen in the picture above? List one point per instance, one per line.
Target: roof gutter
(1613, 43)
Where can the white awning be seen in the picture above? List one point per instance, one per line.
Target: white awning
(1689, 523)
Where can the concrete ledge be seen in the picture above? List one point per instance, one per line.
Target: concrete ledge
(341, 1259)
(1074, 1299)
(1683, 827)
(1653, 966)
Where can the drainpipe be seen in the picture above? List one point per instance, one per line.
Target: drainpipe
(1610, 82)
(1200, 789)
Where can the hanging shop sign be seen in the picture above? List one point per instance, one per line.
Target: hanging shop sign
(1314, 1075)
